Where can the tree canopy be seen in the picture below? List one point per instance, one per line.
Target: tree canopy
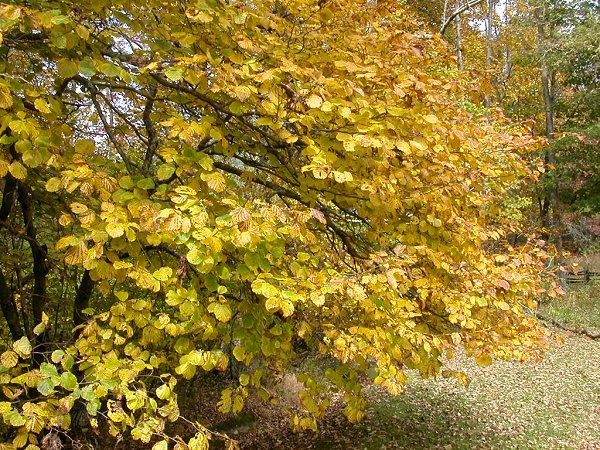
(191, 185)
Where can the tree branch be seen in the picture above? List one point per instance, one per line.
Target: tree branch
(458, 12)
(93, 93)
(283, 192)
(150, 130)
(562, 326)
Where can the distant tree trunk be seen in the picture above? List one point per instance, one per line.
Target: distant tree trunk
(548, 78)
(505, 76)
(459, 44)
(489, 33)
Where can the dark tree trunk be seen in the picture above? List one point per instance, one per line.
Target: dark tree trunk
(548, 79)
(9, 309)
(82, 298)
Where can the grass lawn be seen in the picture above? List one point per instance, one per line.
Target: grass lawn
(579, 308)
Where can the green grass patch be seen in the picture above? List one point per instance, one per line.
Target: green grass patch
(580, 307)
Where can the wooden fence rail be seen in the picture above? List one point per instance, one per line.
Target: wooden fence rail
(584, 276)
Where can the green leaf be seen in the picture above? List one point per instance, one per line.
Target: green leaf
(126, 182)
(57, 356)
(86, 68)
(236, 107)
(67, 68)
(165, 171)
(17, 170)
(210, 281)
(68, 381)
(48, 370)
(182, 345)
(32, 158)
(244, 379)
(163, 391)
(163, 274)
(222, 312)
(239, 353)
(85, 146)
(22, 347)
(251, 260)
(15, 419)
(109, 69)
(45, 386)
(195, 256)
(146, 184)
(174, 73)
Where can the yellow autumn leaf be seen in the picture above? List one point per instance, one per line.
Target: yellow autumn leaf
(215, 181)
(115, 230)
(53, 184)
(222, 312)
(22, 347)
(430, 118)
(9, 359)
(314, 101)
(240, 214)
(483, 360)
(78, 208)
(41, 105)
(17, 170)
(6, 100)
(3, 168)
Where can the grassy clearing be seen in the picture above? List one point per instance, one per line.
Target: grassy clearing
(580, 307)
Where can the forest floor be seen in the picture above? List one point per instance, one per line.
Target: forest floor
(549, 404)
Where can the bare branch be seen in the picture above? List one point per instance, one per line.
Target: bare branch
(458, 12)
(152, 140)
(93, 93)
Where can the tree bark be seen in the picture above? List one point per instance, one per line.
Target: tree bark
(9, 309)
(82, 298)
(8, 197)
(39, 252)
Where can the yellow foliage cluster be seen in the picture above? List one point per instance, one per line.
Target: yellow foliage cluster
(235, 177)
